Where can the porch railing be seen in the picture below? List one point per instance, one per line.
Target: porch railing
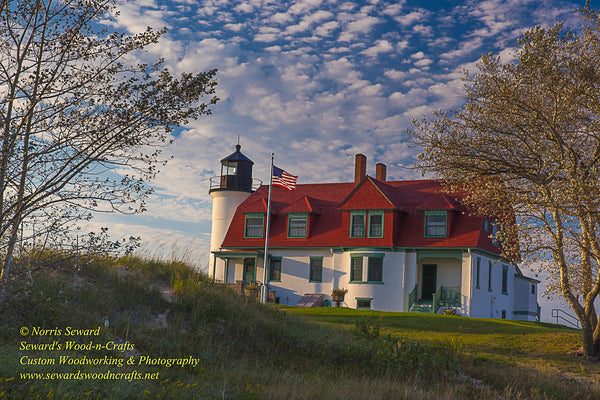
(447, 296)
(412, 297)
(564, 318)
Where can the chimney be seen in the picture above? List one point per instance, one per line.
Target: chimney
(380, 172)
(360, 168)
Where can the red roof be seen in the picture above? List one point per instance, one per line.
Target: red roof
(329, 206)
(303, 205)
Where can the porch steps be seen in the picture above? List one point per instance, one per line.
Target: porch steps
(422, 307)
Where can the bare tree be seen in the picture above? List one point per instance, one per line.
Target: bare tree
(526, 146)
(82, 120)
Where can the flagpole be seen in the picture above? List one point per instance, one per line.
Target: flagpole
(263, 298)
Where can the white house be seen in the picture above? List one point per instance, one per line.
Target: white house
(394, 245)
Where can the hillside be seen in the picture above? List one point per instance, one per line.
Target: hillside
(139, 329)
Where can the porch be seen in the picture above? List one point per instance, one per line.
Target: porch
(438, 281)
(242, 271)
(443, 297)
(231, 267)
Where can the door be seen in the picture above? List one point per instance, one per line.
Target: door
(428, 281)
(249, 270)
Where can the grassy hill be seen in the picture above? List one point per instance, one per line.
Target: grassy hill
(138, 310)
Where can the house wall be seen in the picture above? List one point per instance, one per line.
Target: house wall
(466, 286)
(525, 301)
(521, 295)
(400, 274)
(387, 295)
(295, 273)
(489, 302)
(410, 276)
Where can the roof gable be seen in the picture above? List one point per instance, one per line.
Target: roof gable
(367, 195)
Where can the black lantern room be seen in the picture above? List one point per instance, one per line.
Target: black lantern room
(236, 173)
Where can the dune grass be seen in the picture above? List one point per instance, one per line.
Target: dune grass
(250, 351)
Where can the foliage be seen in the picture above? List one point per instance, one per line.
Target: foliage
(248, 350)
(339, 292)
(526, 149)
(450, 311)
(82, 117)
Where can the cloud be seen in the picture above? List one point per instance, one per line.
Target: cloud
(303, 6)
(395, 74)
(424, 30)
(394, 9)
(411, 18)
(135, 17)
(234, 27)
(326, 28)
(465, 48)
(308, 21)
(424, 62)
(362, 25)
(244, 8)
(381, 46)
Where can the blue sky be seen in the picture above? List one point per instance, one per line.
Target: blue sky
(315, 82)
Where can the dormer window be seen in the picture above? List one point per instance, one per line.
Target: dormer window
(357, 225)
(369, 223)
(495, 229)
(297, 225)
(254, 226)
(436, 223)
(375, 224)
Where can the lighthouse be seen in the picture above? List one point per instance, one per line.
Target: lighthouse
(228, 191)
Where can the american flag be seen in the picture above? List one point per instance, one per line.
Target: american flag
(282, 178)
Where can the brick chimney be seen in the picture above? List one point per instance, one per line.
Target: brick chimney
(380, 172)
(360, 168)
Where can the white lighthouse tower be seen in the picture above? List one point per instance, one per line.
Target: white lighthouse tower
(228, 191)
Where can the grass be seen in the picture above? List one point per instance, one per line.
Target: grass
(250, 351)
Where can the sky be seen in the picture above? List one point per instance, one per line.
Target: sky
(313, 81)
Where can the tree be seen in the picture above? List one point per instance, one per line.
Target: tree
(526, 147)
(82, 120)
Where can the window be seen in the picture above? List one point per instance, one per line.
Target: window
(375, 273)
(363, 304)
(297, 226)
(275, 269)
(435, 223)
(356, 269)
(489, 276)
(316, 269)
(494, 233)
(486, 225)
(357, 222)
(504, 279)
(532, 289)
(254, 226)
(376, 224)
(478, 272)
(503, 314)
